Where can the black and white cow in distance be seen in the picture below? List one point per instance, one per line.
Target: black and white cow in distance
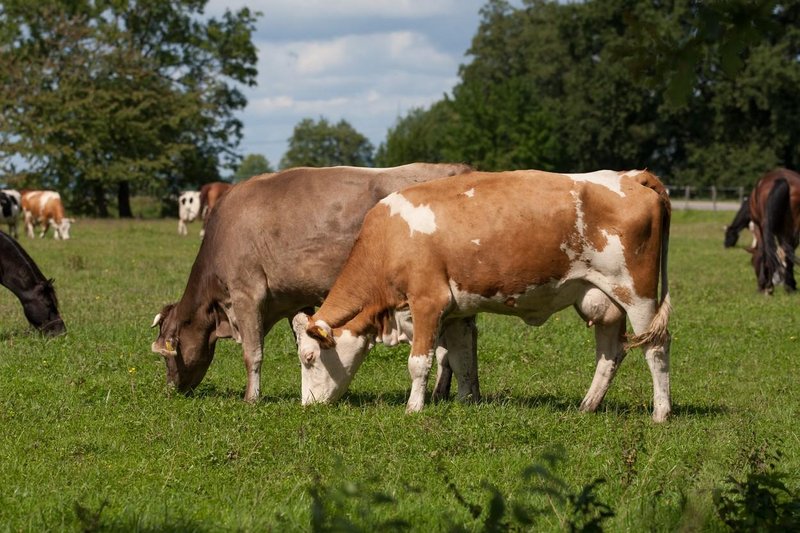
(10, 208)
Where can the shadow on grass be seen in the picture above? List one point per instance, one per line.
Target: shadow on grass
(400, 398)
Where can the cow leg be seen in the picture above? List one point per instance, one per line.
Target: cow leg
(460, 340)
(45, 227)
(444, 374)
(657, 356)
(610, 352)
(29, 224)
(251, 327)
(182, 230)
(427, 313)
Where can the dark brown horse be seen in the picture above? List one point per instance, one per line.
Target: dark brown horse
(740, 221)
(20, 275)
(775, 212)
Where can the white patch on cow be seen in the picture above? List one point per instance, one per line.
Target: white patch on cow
(607, 178)
(419, 218)
(470, 193)
(476, 242)
(46, 197)
(631, 173)
(605, 268)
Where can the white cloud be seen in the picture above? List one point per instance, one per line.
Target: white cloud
(364, 61)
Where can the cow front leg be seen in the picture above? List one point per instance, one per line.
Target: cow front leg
(426, 313)
(610, 351)
(29, 224)
(249, 324)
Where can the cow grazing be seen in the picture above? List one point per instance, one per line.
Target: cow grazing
(523, 243)
(775, 214)
(45, 208)
(188, 209)
(210, 193)
(273, 247)
(20, 275)
(10, 208)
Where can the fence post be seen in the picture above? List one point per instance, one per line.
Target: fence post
(686, 195)
(714, 197)
(741, 194)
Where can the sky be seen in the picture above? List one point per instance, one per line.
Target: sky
(365, 61)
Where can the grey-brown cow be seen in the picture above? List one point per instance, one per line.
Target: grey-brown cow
(273, 246)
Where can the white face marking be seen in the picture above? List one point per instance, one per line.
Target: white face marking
(63, 228)
(476, 242)
(189, 205)
(607, 178)
(419, 218)
(326, 374)
(470, 193)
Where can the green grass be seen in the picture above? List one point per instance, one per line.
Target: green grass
(90, 437)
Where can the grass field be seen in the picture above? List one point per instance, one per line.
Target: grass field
(91, 439)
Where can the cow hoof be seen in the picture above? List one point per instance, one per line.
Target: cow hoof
(661, 416)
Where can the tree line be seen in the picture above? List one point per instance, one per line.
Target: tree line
(125, 96)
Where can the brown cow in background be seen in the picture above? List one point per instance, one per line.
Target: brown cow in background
(210, 193)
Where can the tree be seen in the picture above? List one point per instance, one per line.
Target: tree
(421, 135)
(252, 165)
(114, 96)
(322, 144)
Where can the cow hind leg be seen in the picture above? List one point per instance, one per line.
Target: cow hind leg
(460, 344)
(656, 353)
(427, 313)
(608, 319)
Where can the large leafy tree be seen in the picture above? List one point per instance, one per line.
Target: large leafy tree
(421, 135)
(252, 165)
(103, 96)
(321, 144)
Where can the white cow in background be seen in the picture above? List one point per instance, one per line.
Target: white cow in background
(188, 209)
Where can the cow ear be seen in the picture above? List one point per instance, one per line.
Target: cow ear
(322, 335)
(224, 329)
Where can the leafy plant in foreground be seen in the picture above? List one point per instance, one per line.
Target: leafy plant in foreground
(329, 509)
(761, 501)
(576, 511)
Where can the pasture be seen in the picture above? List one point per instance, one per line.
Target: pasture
(91, 439)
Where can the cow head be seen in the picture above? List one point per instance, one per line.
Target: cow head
(62, 229)
(187, 346)
(41, 309)
(189, 205)
(328, 360)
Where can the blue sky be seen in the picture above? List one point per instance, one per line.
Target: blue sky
(365, 61)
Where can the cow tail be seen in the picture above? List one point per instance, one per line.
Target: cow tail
(775, 211)
(658, 332)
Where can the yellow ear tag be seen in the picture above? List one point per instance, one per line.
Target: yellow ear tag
(168, 344)
(323, 333)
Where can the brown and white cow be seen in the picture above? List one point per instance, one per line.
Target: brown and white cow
(45, 208)
(273, 246)
(524, 243)
(210, 194)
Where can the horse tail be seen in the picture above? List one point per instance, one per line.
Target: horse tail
(776, 208)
